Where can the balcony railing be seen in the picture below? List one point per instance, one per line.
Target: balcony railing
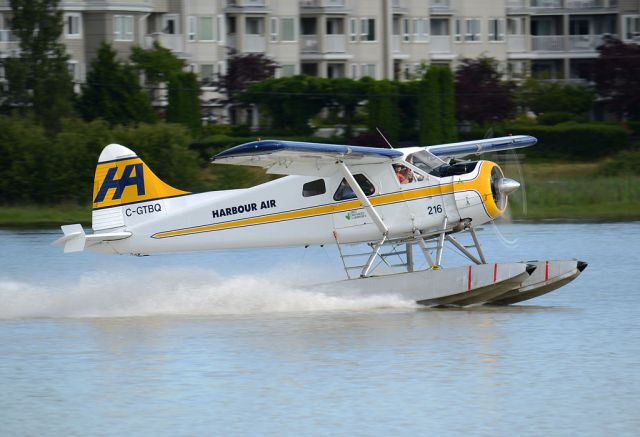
(310, 44)
(440, 44)
(440, 4)
(587, 43)
(244, 3)
(254, 44)
(560, 4)
(7, 36)
(175, 43)
(322, 3)
(547, 43)
(232, 41)
(335, 43)
(395, 43)
(516, 43)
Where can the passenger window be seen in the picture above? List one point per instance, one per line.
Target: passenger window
(314, 188)
(344, 191)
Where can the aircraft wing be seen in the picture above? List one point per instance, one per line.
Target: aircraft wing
(300, 158)
(458, 150)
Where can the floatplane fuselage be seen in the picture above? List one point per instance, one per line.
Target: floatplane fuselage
(330, 194)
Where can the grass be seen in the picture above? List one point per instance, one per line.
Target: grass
(576, 191)
(44, 216)
(553, 191)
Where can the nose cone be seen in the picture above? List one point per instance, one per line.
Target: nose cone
(507, 186)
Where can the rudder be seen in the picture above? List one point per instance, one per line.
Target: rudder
(125, 190)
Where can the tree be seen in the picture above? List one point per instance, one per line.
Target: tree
(244, 69)
(39, 78)
(447, 104)
(430, 108)
(290, 101)
(184, 101)
(481, 95)
(113, 92)
(345, 94)
(157, 63)
(160, 65)
(617, 77)
(566, 101)
(383, 108)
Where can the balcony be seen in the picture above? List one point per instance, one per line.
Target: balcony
(551, 5)
(310, 44)
(335, 43)
(395, 43)
(6, 36)
(254, 44)
(441, 7)
(175, 43)
(547, 43)
(246, 3)
(516, 43)
(316, 4)
(586, 43)
(440, 44)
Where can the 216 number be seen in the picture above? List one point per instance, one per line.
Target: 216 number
(434, 209)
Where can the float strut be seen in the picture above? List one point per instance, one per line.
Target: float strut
(477, 244)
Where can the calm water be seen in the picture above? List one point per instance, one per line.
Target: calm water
(223, 344)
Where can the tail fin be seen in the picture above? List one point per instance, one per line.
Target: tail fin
(125, 190)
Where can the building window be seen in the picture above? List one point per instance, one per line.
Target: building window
(191, 28)
(457, 30)
(288, 29)
(353, 29)
(472, 30)
(367, 29)
(631, 27)
(273, 29)
(73, 25)
(254, 26)
(205, 29)
(421, 29)
(170, 24)
(123, 27)
(74, 70)
(206, 73)
(368, 70)
(496, 29)
(406, 30)
(354, 71)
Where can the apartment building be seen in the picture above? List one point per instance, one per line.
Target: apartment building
(553, 39)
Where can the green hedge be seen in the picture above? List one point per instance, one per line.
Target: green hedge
(37, 168)
(576, 141)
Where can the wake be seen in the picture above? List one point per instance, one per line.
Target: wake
(175, 291)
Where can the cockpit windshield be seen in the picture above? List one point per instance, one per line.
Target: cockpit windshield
(424, 160)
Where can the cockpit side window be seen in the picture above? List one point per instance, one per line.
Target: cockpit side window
(405, 175)
(344, 191)
(314, 188)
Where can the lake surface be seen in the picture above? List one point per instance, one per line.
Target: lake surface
(224, 344)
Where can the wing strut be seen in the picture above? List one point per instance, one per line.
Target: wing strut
(363, 199)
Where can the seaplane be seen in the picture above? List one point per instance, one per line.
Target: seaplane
(397, 204)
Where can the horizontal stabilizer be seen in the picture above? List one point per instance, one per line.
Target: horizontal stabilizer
(75, 239)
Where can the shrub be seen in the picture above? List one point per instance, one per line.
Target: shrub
(576, 141)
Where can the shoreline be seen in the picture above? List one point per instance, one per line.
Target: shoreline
(52, 217)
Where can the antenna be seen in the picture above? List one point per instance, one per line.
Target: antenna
(384, 138)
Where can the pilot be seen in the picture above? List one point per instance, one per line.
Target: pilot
(401, 174)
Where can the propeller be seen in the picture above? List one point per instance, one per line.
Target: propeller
(510, 183)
